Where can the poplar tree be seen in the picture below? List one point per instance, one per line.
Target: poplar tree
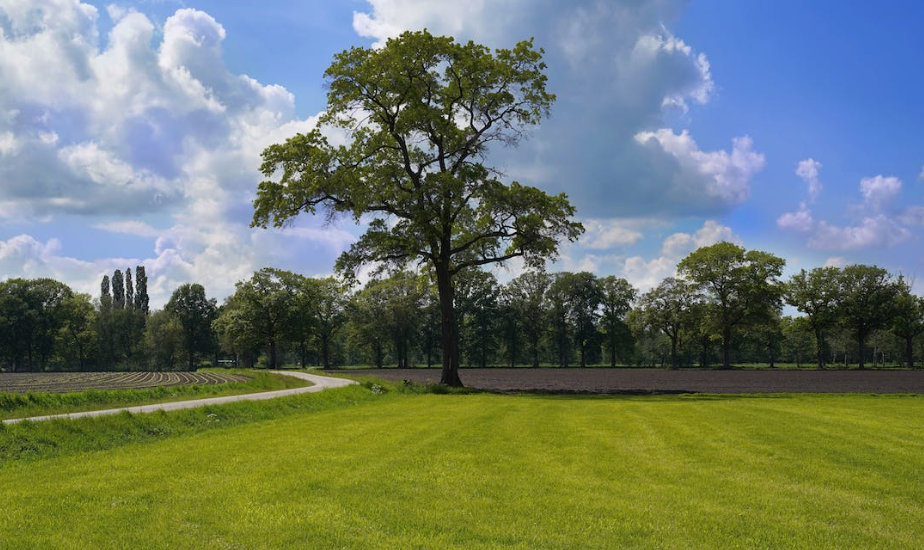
(118, 290)
(129, 290)
(141, 289)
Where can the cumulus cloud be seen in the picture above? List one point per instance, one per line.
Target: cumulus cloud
(878, 191)
(604, 234)
(808, 170)
(721, 175)
(873, 228)
(800, 220)
(874, 231)
(151, 124)
(646, 274)
(617, 71)
(129, 227)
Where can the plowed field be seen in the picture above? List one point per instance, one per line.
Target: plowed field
(61, 382)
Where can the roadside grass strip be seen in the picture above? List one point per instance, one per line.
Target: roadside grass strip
(40, 403)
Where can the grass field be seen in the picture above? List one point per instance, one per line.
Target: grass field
(23, 405)
(349, 469)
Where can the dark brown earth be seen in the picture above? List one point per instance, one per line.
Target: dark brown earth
(624, 380)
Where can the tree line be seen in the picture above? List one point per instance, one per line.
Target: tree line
(724, 307)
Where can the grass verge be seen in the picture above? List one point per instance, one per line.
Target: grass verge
(15, 405)
(490, 471)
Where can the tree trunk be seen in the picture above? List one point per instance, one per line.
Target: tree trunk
(450, 374)
(820, 348)
(272, 354)
(862, 339)
(674, 352)
(909, 351)
(325, 351)
(726, 348)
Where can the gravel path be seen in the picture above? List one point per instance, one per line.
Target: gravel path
(320, 383)
(627, 380)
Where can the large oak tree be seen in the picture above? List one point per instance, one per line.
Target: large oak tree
(421, 115)
(742, 287)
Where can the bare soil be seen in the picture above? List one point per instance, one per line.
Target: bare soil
(62, 382)
(645, 381)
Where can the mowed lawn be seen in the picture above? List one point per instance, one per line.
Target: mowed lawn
(490, 471)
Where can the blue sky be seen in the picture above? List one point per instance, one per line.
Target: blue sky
(130, 134)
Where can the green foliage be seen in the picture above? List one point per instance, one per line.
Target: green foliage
(867, 299)
(32, 314)
(195, 313)
(669, 308)
(817, 294)
(420, 115)
(141, 290)
(742, 287)
(907, 318)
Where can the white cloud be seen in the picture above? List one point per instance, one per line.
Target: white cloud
(603, 234)
(873, 231)
(836, 261)
(808, 170)
(721, 175)
(617, 70)
(800, 220)
(8, 144)
(646, 274)
(130, 227)
(879, 191)
(153, 123)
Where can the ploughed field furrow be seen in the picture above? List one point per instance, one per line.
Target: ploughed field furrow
(62, 382)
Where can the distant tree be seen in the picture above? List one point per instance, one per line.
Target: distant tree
(32, 312)
(195, 314)
(263, 302)
(476, 306)
(331, 315)
(527, 295)
(742, 287)
(164, 340)
(129, 290)
(422, 113)
(560, 330)
(104, 294)
(118, 290)
(908, 319)
(668, 308)
(816, 293)
(798, 338)
(77, 335)
(575, 300)
(616, 297)
(141, 287)
(867, 301)
(509, 323)
(234, 328)
(368, 314)
(430, 326)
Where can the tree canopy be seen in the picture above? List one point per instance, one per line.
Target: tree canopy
(421, 115)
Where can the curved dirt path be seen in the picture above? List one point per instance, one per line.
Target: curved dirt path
(320, 383)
